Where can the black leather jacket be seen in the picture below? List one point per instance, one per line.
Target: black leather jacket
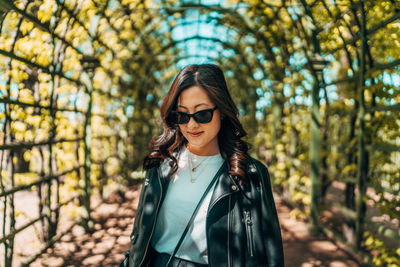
(242, 225)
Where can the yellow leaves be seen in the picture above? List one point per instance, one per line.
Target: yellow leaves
(44, 90)
(27, 155)
(18, 213)
(87, 5)
(348, 102)
(127, 34)
(26, 26)
(112, 166)
(75, 212)
(99, 79)
(62, 100)
(120, 114)
(46, 10)
(351, 168)
(138, 174)
(111, 39)
(10, 21)
(62, 25)
(44, 77)
(17, 113)
(72, 64)
(383, 255)
(268, 12)
(25, 96)
(34, 120)
(81, 153)
(103, 25)
(4, 176)
(127, 24)
(18, 126)
(29, 136)
(44, 58)
(18, 75)
(119, 22)
(124, 54)
(280, 147)
(25, 178)
(281, 166)
(67, 88)
(70, 4)
(297, 214)
(34, 47)
(19, 129)
(127, 2)
(370, 239)
(66, 160)
(70, 186)
(65, 128)
(42, 134)
(78, 35)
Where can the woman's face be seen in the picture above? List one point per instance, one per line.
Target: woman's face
(202, 137)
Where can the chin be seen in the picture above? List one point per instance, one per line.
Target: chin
(195, 144)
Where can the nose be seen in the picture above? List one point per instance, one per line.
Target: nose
(192, 123)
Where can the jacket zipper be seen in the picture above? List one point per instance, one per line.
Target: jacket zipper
(229, 229)
(155, 220)
(249, 232)
(146, 182)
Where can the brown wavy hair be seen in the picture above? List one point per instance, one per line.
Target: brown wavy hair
(211, 78)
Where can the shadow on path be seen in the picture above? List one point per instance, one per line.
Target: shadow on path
(113, 224)
(304, 250)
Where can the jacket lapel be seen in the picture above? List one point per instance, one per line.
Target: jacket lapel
(224, 187)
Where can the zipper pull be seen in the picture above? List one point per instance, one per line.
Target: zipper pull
(249, 232)
(248, 217)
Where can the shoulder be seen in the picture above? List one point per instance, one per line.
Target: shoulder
(151, 172)
(255, 166)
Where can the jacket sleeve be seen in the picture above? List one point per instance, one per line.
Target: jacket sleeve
(139, 208)
(270, 222)
(139, 211)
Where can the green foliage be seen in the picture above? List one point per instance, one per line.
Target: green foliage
(383, 256)
(113, 108)
(288, 156)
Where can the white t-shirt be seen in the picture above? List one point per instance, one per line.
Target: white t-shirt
(180, 201)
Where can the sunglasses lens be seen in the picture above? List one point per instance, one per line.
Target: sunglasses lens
(203, 116)
(182, 118)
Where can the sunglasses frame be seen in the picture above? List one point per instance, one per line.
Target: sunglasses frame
(193, 115)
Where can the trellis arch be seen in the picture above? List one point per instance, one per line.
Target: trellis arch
(83, 104)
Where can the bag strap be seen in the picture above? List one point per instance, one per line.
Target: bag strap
(194, 213)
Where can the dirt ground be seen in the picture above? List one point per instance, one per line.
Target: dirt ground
(113, 224)
(304, 250)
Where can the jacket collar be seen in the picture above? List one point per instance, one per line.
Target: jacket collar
(225, 186)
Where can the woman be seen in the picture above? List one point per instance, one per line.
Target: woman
(204, 201)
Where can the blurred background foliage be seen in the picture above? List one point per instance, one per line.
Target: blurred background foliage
(316, 81)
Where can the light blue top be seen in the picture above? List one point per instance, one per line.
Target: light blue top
(180, 201)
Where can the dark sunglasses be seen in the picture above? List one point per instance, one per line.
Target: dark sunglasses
(201, 116)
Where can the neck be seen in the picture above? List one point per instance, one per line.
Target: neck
(202, 152)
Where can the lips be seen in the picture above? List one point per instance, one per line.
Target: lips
(195, 134)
